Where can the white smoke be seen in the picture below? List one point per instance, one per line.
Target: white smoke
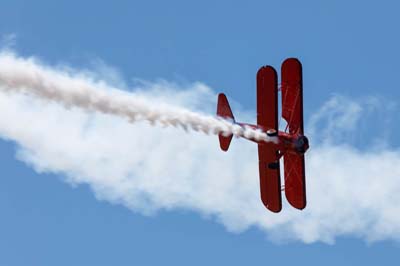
(28, 76)
(350, 192)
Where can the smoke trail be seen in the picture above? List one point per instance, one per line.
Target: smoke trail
(27, 76)
(351, 191)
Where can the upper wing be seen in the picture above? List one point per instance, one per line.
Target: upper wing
(267, 117)
(292, 95)
(292, 112)
(295, 185)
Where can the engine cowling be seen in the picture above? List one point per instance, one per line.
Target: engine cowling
(301, 144)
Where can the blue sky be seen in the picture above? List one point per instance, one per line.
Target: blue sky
(347, 48)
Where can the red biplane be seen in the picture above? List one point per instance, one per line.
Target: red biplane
(291, 144)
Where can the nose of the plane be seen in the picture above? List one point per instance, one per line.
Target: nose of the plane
(301, 144)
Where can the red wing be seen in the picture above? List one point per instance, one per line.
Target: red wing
(267, 98)
(292, 112)
(295, 188)
(292, 95)
(267, 117)
(270, 178)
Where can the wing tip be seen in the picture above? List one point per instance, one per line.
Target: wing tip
(265, 70)
(300, 206)
(272, 207)
(297, 203)
(292, 61)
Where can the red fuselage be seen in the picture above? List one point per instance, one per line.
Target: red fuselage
(291, 143)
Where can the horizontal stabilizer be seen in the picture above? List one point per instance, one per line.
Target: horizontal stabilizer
(223, 108)
(224, 111)
(224, 142)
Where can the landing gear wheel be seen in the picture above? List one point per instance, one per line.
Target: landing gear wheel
(274, 165)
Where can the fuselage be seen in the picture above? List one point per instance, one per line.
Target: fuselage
(286, 142)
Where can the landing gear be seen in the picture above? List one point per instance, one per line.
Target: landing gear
(274, 165)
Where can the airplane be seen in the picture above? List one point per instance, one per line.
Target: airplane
(291, 143)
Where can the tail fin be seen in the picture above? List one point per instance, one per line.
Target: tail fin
(224, 111)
